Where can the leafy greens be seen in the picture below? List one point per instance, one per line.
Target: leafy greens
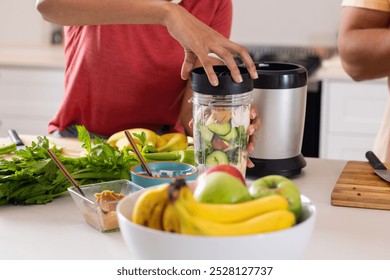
(33, 178)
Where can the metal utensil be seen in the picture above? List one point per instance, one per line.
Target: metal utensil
(379, 168)
(66, 173)
(16, 139)
(138, 153)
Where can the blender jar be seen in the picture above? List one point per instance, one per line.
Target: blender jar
(221, 118)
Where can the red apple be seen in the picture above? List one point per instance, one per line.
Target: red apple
(230, 169)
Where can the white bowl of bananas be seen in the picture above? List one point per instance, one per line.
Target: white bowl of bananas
(179, 221)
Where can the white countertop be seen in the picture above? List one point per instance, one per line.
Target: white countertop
(57, 230)
(32, 56)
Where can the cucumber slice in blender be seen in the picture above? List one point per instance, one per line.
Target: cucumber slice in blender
(233, 134)
(206, 134)
(220, 128)
(217, 157)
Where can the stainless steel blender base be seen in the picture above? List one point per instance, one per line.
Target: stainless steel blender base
(288, 167)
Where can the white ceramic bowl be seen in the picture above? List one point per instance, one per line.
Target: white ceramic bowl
(146, 243)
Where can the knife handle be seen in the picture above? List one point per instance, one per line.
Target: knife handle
(374, 161)
(15, 137)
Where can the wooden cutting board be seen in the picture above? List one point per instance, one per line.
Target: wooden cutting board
(71, 147)
(359, 186)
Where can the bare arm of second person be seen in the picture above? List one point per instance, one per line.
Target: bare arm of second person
(364, 43)
(197, 39)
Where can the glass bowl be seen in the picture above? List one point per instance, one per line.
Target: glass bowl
(102, 215)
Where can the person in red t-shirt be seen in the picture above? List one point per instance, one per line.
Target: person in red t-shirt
(125, 64)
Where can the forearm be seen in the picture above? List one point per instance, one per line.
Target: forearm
(364, 43)
(365, 53)
(196, 37)
(100, 12)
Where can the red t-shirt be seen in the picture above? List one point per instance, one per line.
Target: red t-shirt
(124, 76)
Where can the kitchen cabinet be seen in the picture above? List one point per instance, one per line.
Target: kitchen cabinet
(29, 97)
(351, 114)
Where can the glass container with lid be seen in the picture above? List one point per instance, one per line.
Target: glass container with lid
(221, 118)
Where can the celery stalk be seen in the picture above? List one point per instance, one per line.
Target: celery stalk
(186, 156)
(4, 150)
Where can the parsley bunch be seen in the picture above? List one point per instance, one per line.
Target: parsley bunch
(33, 178)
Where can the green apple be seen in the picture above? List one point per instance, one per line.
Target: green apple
(276, 184)
(220, 187)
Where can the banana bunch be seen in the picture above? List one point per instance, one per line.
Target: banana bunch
(163, 143)
(251, 217)
(172, 208)
(152, 209)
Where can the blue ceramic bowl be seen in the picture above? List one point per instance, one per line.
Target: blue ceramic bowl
(166, 172)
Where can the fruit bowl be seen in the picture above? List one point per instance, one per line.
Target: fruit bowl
(147, 243)
(166, 172)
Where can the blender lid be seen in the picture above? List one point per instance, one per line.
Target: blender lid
(201, 84)
(280, 75)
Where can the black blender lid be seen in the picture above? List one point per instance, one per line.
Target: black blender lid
(280, 75)
(200, 82)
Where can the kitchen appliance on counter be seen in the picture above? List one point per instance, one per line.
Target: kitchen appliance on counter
(280, 97)
(310, 58)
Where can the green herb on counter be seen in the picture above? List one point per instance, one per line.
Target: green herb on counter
(33, 178)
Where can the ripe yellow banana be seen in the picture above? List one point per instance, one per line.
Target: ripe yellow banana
(267, 222)
(170, 219)
(149, 207)
(231, 213)
(160, 141)
(168, 142)
(119, 139)
(192, 222)
(173, 142)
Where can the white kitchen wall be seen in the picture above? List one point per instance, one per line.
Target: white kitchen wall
(266, 22)
(286, 22)
(21, 24)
